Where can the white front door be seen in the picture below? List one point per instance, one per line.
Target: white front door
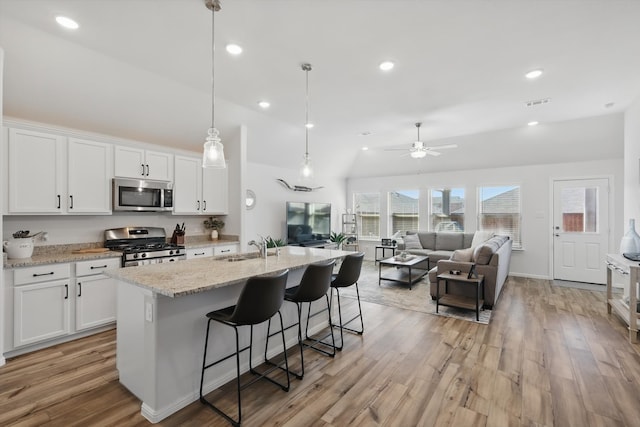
(580, 229)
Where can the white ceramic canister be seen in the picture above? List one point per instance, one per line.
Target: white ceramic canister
(19, 248)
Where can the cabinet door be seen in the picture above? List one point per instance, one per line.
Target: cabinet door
(159, 165)
(41, 312)
(187, 186)
(95, 301)
(36, 165)
(129, 162)
(214, 191)
(89, 180)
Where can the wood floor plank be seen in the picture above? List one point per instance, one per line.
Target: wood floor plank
(550, 356)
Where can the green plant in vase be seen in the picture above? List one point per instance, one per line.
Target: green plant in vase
(214, 224)
(337, 238)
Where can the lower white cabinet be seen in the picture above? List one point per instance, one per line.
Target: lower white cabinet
(225, 249)
(95, 301)
(41, 311)
(199, 252)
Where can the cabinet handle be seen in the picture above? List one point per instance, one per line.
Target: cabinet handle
(204, 205)
(58, 201)
(98, 266)
(43, 274)
(66, 291)
(147, 170)
(225, 250)
(199, 253)
(198, 208)
(142, 169)
(71, 206)
(79, 289)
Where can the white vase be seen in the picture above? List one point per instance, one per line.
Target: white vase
(214, 234)
(630, 242)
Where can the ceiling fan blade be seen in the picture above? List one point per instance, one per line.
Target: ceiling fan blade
(442, 147)
(432, 153)
(395, 149)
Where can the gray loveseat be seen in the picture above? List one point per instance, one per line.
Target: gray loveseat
(452, 251)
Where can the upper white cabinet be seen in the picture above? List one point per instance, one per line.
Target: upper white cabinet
(48, 174)
(89, 180)
(199, 190)
(143, 164)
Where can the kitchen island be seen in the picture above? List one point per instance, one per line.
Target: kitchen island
(161, 323)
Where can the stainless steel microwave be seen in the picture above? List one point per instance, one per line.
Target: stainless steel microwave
(142, 195)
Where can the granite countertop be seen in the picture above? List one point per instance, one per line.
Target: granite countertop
(203, 274)
(53, 254)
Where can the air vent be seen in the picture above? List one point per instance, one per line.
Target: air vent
(538, 102)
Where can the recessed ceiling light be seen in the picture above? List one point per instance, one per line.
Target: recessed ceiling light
(234, 49)
(365, 133)
(533, 123)
(67, 22)
(534, 74)
(309, 125)
(609, 104)
(386, 65)
(365, 148)
(264, 104)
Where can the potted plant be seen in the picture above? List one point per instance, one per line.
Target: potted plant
(214, 224)
(337, 238)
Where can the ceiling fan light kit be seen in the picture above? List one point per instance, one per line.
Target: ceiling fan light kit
(419, 150)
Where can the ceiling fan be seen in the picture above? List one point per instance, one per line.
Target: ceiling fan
(419, 150)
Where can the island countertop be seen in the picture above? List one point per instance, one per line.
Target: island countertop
(202, 274)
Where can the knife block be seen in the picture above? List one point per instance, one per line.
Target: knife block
(177, 238)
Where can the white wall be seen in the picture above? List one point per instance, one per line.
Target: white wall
(632, 163)
(268, 218)
(535, 182)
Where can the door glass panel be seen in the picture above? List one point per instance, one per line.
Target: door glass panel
(580, 210)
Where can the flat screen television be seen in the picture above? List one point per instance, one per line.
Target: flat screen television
(308, 224)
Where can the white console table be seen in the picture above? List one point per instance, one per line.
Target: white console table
(621, 270)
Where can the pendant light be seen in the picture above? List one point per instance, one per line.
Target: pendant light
(306, 170)
(213, 153)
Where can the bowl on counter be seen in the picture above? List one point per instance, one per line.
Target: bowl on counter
(18, 248)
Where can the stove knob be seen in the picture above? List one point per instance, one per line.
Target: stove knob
(170, 252)
(177, 251)
(135, 256)
(143, 255)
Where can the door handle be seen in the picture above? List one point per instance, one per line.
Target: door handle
(79, 289)
(147, 170)
(71, 205)
(58, 201)
(142, 169)
(204, 205)
(66, 291)
(198, 208)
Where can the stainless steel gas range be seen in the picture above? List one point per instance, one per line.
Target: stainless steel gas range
(143, 245)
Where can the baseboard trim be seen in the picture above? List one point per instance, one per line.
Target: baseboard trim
(530, 276)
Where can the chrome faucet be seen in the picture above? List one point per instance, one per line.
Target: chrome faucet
(262, 248)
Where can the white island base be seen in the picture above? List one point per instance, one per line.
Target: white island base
(160, 339)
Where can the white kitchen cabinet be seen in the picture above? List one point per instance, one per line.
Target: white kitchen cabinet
(89, 176)
(199, 190)
(143, 164)
(95, 293)
(225, 249)
(199, 252)
(40, 306)
(36, 172)
(48, 174)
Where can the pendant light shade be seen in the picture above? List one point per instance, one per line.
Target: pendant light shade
(306, 170)
(213, 153)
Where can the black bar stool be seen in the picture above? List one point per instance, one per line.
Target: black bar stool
(348, 275)
(260, 299)
(313, 286)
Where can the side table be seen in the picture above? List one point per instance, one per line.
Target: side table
(461, 301)
(384, 249)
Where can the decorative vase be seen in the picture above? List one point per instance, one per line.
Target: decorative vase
(214, 234)
(630, 242)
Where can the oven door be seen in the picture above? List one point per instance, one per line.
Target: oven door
(141, 195)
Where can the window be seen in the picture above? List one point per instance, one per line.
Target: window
(499, 211)
(367, 210)
(403, 210)
(579, 210)
(447, 209)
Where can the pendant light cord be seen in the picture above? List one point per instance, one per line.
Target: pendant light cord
(213, 67)
(306, 68)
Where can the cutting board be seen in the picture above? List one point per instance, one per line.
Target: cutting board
(90, 251)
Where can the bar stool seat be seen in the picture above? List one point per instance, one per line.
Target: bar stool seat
(348, 275)
(260, 299)
(313, 286)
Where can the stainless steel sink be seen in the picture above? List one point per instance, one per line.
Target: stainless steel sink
(246, 256)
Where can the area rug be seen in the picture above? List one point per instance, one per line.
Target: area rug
(398, 295)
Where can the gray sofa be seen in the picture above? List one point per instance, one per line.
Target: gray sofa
(452, 251)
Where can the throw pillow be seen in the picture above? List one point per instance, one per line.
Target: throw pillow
(464, 255)
(411, 241)
(480, 237)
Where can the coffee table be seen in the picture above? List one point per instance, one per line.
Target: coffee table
(405, 272)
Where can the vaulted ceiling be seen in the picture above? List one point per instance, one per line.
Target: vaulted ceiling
(141, 69)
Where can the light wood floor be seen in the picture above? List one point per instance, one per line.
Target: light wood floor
(551, 356)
